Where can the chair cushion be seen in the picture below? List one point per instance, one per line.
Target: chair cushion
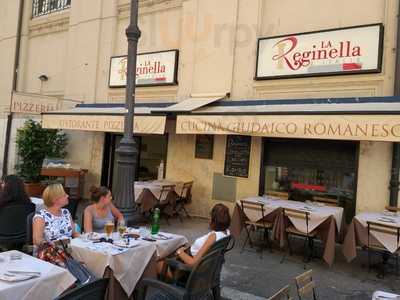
(293, 230)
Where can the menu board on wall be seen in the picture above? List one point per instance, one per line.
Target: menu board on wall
(237, 156)
(204, 146)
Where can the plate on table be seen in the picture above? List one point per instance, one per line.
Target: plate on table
(387, 220)
(389, 213)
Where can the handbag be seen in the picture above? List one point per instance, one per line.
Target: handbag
(60, 257)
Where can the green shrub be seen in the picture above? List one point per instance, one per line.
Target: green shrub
(34, 144)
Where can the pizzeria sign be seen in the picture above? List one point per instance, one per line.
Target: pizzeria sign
(155, 68)
(349, 50)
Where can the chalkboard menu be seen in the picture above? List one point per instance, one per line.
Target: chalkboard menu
(237, 155)
(204, 146)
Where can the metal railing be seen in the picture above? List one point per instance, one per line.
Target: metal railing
(44, 7)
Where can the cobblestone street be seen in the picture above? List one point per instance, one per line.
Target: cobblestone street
(247, 276)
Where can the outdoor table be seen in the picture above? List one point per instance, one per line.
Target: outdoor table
(124, 266)
(380, 295)
(326, 220)
(52, 282)
(38, 203)
(148, 193)
(357, 233)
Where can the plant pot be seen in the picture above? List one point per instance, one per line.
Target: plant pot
(34, 189)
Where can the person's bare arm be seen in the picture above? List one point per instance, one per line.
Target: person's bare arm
(37, 231)
(191, 261)
(116, 213)
(88, 220)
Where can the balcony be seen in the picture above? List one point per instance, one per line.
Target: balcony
(44, 7)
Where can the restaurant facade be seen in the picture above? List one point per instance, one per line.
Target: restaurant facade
(242, 99)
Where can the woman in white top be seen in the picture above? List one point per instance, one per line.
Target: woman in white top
(219, 224)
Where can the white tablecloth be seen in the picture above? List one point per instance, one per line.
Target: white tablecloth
(379, 295)
(52, 282)
(155, 187)
(38, 202)
(127, 265)
(318, 214)
(387, 240)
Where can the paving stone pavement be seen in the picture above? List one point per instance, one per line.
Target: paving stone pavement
(248, 276)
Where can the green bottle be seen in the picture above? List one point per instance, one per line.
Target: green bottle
(155, 224)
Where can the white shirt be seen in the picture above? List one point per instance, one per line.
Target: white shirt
(198, 243)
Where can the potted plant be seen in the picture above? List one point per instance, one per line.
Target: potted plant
(34, 143)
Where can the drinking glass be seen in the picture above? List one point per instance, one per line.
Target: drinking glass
(109, 228)
(121, 228)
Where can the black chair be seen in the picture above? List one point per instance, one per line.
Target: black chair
(198, 286)
(224, 245)
(13, 225)
(91, 291)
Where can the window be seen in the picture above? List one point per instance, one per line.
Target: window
(312, 169)
(44, 7)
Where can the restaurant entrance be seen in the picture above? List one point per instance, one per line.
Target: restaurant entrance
(312, 170)
(152, 154)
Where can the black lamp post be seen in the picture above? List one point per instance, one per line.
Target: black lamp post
(127, 151)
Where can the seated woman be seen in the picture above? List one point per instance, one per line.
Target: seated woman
(101, 211)
(12, 192)
(219, 224)
(53, 222)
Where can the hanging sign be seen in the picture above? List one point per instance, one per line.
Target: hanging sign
(156, 68)
(329, 52)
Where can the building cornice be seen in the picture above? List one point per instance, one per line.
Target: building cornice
(147, 6)
(47, 24)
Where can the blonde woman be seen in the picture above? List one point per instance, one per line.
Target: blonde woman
(53, 222)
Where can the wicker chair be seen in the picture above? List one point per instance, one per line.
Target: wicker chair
(224, 245)
(198, 286)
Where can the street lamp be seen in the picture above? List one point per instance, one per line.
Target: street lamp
(127, 151)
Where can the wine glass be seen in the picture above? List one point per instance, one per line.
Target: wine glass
(121, 227)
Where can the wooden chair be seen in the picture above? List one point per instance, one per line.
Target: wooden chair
(305, 285)
(308, 236)
(167, 201)
(280, 195)
(392, 208)
(184, 198)
(392, 230)
(282, 294)
(326, 201)
(263, 226)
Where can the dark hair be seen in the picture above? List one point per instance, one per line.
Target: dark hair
(220, 218)
(13, 191)
(97, 192)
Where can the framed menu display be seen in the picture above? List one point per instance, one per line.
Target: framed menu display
(237, 156)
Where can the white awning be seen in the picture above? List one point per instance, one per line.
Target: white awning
(105, 119)
(370, 119)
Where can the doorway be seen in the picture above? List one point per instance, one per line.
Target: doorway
(152, 153)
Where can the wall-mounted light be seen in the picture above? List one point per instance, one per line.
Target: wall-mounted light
(43, 77)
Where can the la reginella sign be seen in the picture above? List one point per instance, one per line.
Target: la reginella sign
(330, 52)
(156, 68)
